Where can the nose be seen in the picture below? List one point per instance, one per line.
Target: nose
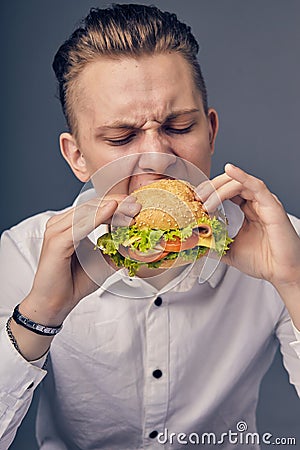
(155, 154)
(156, 162)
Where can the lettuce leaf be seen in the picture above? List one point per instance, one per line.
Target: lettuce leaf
(219, 230)
(147, 238)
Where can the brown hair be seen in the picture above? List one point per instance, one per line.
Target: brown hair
(122, 30)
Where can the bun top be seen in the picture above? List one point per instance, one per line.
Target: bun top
(167, 204)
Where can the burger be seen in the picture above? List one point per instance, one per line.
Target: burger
(171, 229)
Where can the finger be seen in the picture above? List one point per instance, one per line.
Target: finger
(121, 220)
(205, 189)
(125, 212)
(54, 220)
(65, 241)
(260, 191)
(238, 200)
(129, 207)
(63, 221)
(249, 211)
(118, 197)
(86, 224)
(227, 192)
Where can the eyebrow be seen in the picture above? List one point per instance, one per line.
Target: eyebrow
(120, 124)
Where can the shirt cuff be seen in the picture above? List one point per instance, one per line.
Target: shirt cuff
(40, 362)
(296, 344)
(17, 375)
(296, 331)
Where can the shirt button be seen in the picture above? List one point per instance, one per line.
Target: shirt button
(153, 434)
(157, 373)
(158, 301)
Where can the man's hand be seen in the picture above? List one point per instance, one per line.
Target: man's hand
(60, 281)
(267, 245)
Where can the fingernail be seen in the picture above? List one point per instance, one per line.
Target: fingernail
(130, 198)
(229, 165)
(134, 207)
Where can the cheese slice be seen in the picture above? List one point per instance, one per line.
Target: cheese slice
(207, 241)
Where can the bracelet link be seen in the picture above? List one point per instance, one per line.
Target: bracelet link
(11, 336)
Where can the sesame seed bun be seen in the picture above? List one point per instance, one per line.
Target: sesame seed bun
(167, 204)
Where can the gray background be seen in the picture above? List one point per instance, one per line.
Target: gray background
(250, 59)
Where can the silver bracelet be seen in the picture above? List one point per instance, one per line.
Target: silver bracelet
(11, 336)
(15, 344)
(37, 328)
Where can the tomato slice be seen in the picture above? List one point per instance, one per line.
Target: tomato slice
(177, 245)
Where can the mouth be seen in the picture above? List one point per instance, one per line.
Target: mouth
(138, 181)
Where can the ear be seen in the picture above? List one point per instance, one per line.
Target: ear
(213, 125)
(70, 151)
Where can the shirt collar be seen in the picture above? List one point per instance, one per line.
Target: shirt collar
(204, 270)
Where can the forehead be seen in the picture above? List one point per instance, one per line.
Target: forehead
(146, 88)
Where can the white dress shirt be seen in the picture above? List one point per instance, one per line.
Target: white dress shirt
(131, 360)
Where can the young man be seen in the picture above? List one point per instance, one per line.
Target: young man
(190, 359)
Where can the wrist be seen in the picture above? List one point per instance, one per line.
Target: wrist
(15, 343)
(41, 311)
(287, 288)
(290, 294)
(30, 345)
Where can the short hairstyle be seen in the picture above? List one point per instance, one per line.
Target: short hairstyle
(122, 30)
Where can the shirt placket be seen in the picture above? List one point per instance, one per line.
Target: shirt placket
(156, 390)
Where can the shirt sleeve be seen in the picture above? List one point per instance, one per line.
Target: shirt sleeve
(18, 377)
(296, 344)
(287, 327)
(289, 338)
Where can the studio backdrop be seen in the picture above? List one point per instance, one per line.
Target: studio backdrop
(250, 60)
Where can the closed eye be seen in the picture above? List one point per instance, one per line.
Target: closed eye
(123, 141)
(179, 130)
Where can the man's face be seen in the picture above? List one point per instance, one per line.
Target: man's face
(149, 104)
